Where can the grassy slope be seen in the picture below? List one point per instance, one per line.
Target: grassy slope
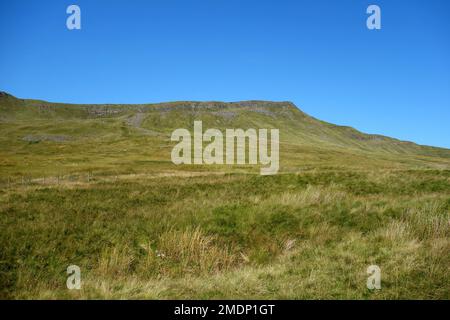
(144, 228)
(127, 138)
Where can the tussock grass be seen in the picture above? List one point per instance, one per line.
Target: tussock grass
(308, 235)
(194, 252)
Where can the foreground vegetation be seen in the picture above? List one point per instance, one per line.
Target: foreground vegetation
(307, 235)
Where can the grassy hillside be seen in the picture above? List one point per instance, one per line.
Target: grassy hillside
(62, 138)
(93, 185)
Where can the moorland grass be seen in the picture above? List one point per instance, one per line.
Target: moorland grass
(307, 235)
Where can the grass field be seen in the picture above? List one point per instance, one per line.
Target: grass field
(97, 189)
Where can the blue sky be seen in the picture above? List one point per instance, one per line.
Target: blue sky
(317, 54)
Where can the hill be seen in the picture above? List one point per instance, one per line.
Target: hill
(131, 138)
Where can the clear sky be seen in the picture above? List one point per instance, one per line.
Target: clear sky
(318, 54)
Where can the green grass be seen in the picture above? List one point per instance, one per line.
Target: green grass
(308, 235)
(109, 200)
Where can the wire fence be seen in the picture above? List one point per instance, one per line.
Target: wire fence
(14, 181)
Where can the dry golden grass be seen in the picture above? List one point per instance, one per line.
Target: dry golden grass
(194, 251)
